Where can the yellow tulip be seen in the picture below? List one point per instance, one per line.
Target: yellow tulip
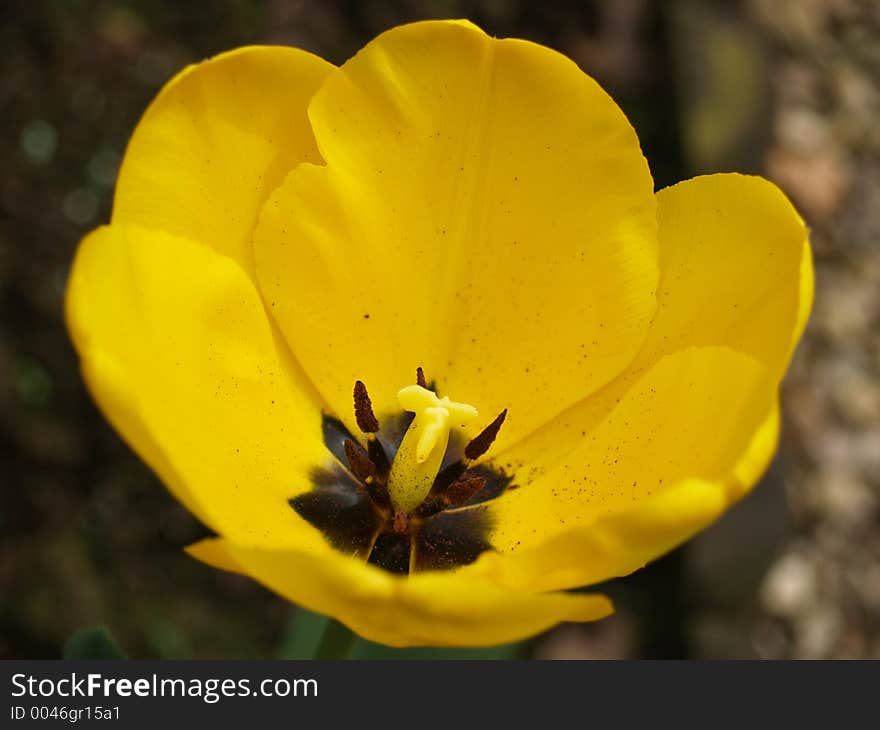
(283, 229)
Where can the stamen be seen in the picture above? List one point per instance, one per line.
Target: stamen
(474, 450)
(420, 378)
(450, 495)
(480, 444)
(358, 461)
(461, 491)
(448, 475)
(378, 456)
(363, 409)
(363, 467)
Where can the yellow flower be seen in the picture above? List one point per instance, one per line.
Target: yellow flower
(283, 229)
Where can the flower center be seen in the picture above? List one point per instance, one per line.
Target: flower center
(422, 508)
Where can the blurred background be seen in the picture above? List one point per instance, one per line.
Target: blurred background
(786, 88)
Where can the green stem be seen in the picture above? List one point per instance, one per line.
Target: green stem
(336, 642)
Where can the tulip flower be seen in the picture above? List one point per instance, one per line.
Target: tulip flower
(416, 338)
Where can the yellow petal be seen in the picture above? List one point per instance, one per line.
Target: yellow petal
(107, 380)
(485, 212)
(735, 269)
(623, 541)
(690, 417)
(180, 355)
(215, 142)
(212, 551)
(435, 609)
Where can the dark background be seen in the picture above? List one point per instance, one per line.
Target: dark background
(785, 88)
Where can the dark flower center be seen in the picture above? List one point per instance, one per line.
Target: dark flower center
(350, 504)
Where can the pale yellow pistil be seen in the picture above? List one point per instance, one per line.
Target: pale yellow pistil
(421, 452)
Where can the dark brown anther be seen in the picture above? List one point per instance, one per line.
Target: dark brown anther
(378, 493)
(363, 409)
(420, 378)
(400, 523)
(358, 461)
(378, 457)
(447, 476)
(365, 470)
(461, 491)
(480, 444)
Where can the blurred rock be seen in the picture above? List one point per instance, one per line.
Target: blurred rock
(818, 631)
(791, 586)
